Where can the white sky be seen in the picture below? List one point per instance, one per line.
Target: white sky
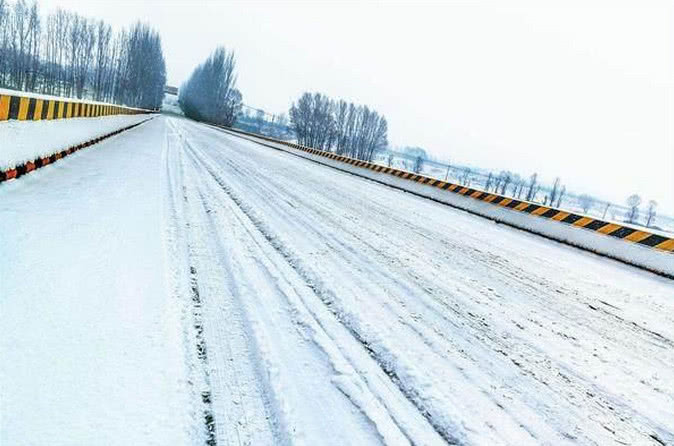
(579, 89)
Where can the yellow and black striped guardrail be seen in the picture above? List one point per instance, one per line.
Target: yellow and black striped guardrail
(644, 238)
(27, 108)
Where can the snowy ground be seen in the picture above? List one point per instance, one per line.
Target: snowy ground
(202, 288)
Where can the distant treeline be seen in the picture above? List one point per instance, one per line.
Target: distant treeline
(65, 54)
(339, 126)
(210, 93)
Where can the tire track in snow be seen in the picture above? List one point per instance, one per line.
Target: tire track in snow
(383, 353)
(236, 410)
(197, 345)
(244, 276)
(202, 354)
(445, 431)
(570, 382)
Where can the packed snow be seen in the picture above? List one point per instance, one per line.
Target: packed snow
(222, 292)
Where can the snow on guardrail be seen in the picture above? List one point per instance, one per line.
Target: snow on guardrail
(644, 249)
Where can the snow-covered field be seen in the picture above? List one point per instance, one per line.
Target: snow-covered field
(662, 224)
(201, 288)
(22, 141)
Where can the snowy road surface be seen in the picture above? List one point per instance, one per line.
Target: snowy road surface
(179, 285)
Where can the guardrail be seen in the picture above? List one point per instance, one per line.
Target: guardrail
(34, 107)
(578, 230)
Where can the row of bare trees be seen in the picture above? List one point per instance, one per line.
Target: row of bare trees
(210, 93)
(339, 126)
(529, 189)
(508, 183)
(65, 54)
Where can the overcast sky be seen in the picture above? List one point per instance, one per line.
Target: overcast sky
(582, 90)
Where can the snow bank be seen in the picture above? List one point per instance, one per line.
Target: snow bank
(638, 255)
(90, 333)
(22, 141)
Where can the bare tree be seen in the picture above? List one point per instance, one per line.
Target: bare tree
(490, 179)
(650, 212)
(506, 178)
(74, 53)
(515, 181)
(102, 59)
(389, 159)
(58, 29)
(497, 183)
(210, 93)
(418, 164)
(232, 108)
(556, 188)
(449, 167)
(322, 123)
(4, 42)
(560, 196)
(466, 177)
(520, 188)
(533, 187)
(281, 124)
(259, 120)
(144, 74)
(33, 45)
(585, 201)
(341, 126)
(314, 123)
(19, 53)
(84, 33)
(633, 202)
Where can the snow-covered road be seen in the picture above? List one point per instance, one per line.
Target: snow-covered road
(177, 284)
